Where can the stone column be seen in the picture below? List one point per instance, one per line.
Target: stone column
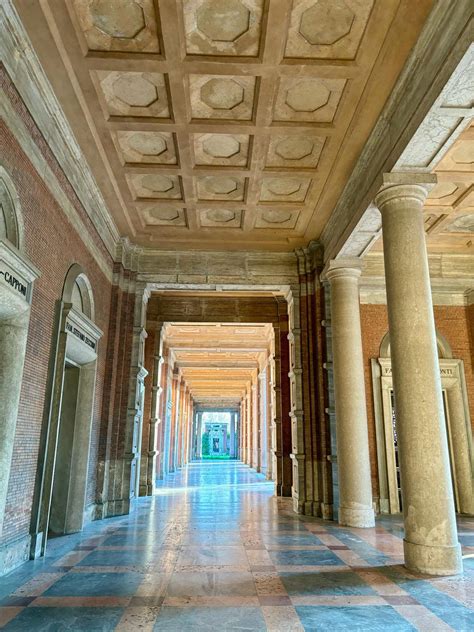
(232, 435)
(243, 440)
(150, 469)
(431, 544)
(242, 431)
(238, 435)
(256, 425)
(262, 413)
(199, 436)
(355, 485)
(249, 425)
(173, 456)
(461, 449)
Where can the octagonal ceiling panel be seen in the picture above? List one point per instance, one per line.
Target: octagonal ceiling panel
(201, 115)
(274, 218)
(220, 218)
(164, 216)
(219, 187)
(221, 150)
(155, 185)
(308, 99)
(294, 151)
(118, 25)
(459, 158)
(281, 189)
(222, 97)
(140, 94)
(147, 147)
(327, 29)
(223, 27)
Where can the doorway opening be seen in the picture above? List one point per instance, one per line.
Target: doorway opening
(62, 478)
(458, 430)
(17, 275)
(64, 455)
(217, 398)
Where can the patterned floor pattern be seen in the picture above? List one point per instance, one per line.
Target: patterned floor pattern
(213, 550)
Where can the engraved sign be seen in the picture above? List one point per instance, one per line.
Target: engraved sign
(13, 279)
(79, 334)
(446, 372)
(443, 371)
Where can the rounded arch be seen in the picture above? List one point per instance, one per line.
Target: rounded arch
(444, 348)
(77, 290)
(11, 219)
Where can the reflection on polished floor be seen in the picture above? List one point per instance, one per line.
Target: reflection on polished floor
(213, 549)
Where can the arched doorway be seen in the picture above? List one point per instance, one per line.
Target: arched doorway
(458, 428)
(17, 275)
(63, 472)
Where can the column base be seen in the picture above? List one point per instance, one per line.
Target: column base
(14, 553)
(433, 560)
(326, 511)
(360, 518)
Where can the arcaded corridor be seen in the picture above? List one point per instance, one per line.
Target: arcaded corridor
(236, 315)
(214, 547)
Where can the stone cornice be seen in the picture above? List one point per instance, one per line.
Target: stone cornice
(451, 276)
(128, 254)
(220, 271)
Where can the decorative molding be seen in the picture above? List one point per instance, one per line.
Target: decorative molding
(219, 271)
(452, 279)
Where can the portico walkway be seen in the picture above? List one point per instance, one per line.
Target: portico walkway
(213, 550)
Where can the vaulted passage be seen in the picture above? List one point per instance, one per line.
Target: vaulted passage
(217, 384)
(215, 396)
(236, 315)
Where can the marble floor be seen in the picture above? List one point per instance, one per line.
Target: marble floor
(213, 550)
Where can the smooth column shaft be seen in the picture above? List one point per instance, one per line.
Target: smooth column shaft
(199, 436)
(232, 435)
(430, 544)
(355, 486)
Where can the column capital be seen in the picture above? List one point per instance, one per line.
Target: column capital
(399, 186)
(342, 268)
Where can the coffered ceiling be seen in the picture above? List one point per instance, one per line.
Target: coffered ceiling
(449, 210)
(222, 123)
(218, 361)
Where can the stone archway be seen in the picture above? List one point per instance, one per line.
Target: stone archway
(457, 422)
(17, 275)
(62, 475)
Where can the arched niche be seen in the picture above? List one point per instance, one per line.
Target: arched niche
(11, 221)
(60, 504)
(444, 348)
(17, 275)
(458, 427)
(77, 290)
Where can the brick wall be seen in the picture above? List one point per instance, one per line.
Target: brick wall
(52, 244)
(116, 387)
(457, 327)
